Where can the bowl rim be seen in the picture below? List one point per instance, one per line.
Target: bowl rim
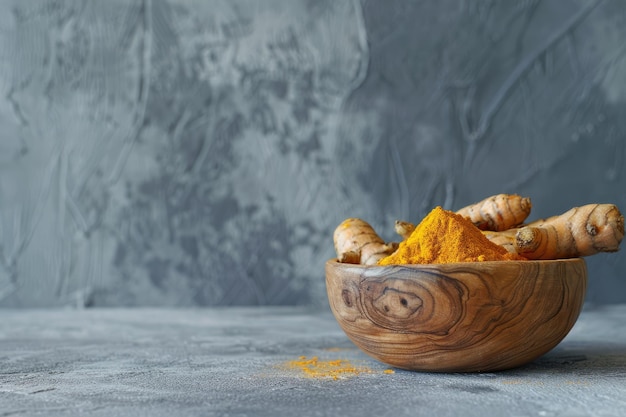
(534, 262)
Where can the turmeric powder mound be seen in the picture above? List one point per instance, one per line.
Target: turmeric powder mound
(445, 237)
(334, 369)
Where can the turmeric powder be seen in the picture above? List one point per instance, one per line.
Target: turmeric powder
(332, 369)
(445, 237)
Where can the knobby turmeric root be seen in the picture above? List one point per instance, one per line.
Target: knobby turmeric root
(581, 231)
(356, 242)
(404, 229)
(498, 212)
(505, 238)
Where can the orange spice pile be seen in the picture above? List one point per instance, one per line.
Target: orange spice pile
(445, 237)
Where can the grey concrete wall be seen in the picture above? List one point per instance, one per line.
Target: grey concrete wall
(201, 152)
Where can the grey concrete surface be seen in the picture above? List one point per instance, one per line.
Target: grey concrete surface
(231, 362)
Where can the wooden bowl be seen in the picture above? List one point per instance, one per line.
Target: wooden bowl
(462, 317)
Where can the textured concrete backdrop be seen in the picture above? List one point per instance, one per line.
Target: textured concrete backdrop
(201, 152)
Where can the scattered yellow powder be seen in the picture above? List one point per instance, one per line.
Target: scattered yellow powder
(332, 369)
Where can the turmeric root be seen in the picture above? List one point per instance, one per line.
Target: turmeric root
(581, 231)
(404, 229)
(498, 212)
(356, 242)
(505, 238)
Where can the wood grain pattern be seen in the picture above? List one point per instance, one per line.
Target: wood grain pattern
(462, 317)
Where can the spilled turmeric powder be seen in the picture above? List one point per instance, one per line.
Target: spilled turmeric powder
(445, 237)
(333, 369)
(329, 369)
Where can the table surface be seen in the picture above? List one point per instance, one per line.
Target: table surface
(239, 362)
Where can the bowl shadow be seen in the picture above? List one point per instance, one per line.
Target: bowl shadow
(583, 358)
